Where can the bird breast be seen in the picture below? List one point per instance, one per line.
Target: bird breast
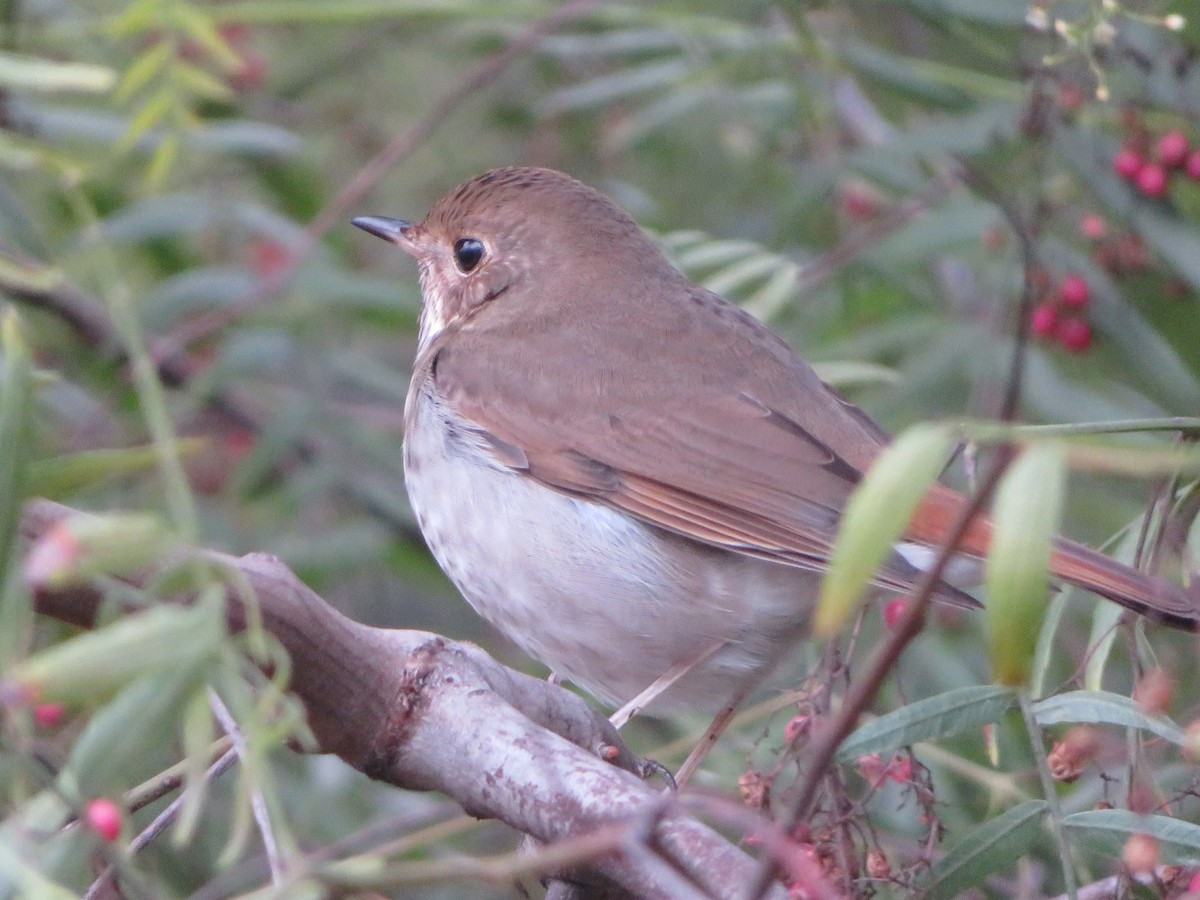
(587, 589)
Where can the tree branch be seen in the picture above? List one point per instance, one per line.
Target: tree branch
(421, 712)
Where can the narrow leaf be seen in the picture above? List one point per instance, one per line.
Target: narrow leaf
(1107, 830)
(83, 546)
(202, 84)
(876, 516)
(201, 29)
(30, 73)
(1027, 512)
(24, 878)
(96, 663)
(1103, 708)
(63, 476)
(993, 846)
(929, 720)
(143, 69)
(16, 416)
(150, 115)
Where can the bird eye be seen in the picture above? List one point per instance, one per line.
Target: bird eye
(467, 254)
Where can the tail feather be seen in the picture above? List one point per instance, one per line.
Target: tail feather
(1151, 597)
(1073, 563)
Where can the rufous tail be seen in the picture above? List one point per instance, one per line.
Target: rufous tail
(1154, 598)
(1073, 563)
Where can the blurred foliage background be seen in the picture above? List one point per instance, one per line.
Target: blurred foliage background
(901, 189)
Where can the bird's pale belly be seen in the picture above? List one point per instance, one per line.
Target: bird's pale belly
(600, 598)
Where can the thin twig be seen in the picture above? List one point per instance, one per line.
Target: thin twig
(1050, 791)
(821, 752)
(168, 781)
(157, 826)
(258, 803)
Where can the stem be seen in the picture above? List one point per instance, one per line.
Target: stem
(1050, 790)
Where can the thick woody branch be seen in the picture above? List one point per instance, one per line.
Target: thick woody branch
(425, 713)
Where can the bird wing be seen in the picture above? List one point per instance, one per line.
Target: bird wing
(737, 463)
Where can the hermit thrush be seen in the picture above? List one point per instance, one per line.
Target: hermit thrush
(622, 471)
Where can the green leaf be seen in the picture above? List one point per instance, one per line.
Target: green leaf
(993, 846)
(127, 739)
(1104, 632)
(1103, 708)
(774, 294)
(928, 81)
(1002, 13)
(625, 82)
(1178, 242)
(1026, 517)
(202, 84)
(25, 879)
(201, 29)
(1047, 651)
(851, 373)
(151, 114)
(198, 736)
(97, 663)
(83, 546)
(876, 515)
(28, 73)
(1107, 830)
(929, 720)
(16, 416)
(162, 160)
(143, 69)
(63, 476)
(749, 270)
(946, 228)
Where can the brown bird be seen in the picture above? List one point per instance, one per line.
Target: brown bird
(627, 474)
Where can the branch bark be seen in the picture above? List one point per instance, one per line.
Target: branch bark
(422, 712)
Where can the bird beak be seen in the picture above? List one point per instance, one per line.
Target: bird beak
(394, 231)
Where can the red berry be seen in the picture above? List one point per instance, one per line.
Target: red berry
(900, 769)
(1075, 335)
(49, 715)
(234, 32)
(252, 73)
(1071, 97)
(1043, 321)
(1073, 292)
(269, 257)
(1093, 227)
(1173, 149)
(105, 818)
(871, 768)
(1141, 854)
(1192, 166)
(860, 202)
(895, 611)
(1128, 163)
(798, 726)
(1152, 180)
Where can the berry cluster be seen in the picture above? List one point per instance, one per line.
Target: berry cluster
(1061, 313)
(1121, 254)
(1148, 164)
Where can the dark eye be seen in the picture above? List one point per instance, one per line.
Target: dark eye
(467, 254)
